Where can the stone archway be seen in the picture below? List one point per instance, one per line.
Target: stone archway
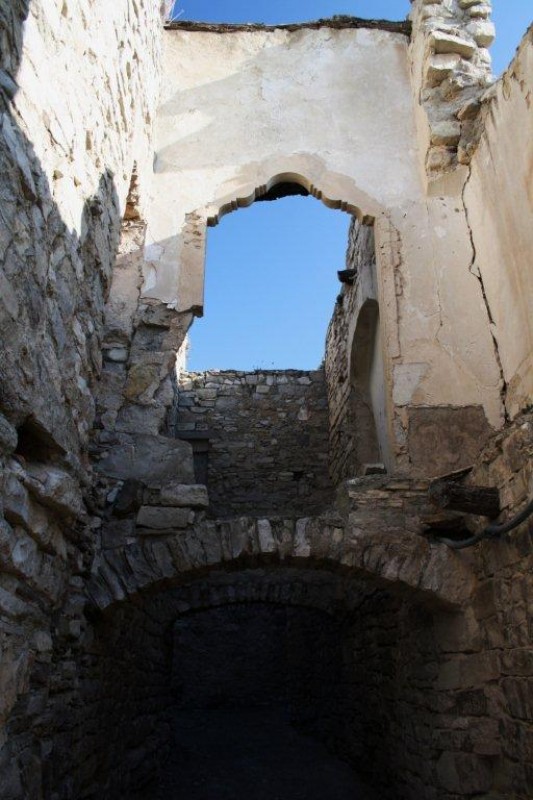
(389, 641)
(363, 543)
(303, 172)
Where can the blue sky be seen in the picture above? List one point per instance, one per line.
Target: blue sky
(271, 269)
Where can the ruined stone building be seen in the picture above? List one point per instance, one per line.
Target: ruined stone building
(142, 506)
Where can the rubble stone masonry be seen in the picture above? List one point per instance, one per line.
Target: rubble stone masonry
(267, 438)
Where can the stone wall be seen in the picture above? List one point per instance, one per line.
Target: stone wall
(502, 608)
(346, 424)
(267, 434)
(451, 68)
(390, 428)
(261, 655)
(78, 89)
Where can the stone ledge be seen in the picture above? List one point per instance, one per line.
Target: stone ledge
(342, 23)
(164, 518)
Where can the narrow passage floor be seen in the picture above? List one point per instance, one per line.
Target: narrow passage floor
(244, 755)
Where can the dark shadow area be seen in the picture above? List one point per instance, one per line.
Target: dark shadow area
(257, 699)
(273, 680)
(239, 754)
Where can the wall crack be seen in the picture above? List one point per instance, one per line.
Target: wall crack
(474, 269)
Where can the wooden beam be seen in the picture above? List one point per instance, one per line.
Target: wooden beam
(483, 501)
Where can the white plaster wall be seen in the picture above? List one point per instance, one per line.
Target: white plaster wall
(239, 108)
(335, 109)
(499, 199)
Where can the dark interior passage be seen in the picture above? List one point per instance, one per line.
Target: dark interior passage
(257, 688)
(262, 683)
(233, 754)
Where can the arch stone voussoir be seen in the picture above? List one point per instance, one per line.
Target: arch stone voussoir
(356, 541)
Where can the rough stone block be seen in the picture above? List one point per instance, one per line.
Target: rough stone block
(447, 43)
(153, 459)
(446, 132)
(118, 355)
(442, 440)
(440, 66)
(115, 533)
(164, 517)
(8, 437)
(267, 543)
(55, 489)
(464, 773)
(483, 32)
(184, 495)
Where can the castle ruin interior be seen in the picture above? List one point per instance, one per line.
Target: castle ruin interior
(317, 583)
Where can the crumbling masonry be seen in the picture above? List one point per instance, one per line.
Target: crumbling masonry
(133, 494)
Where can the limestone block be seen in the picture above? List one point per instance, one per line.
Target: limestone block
(140, 419)
(440, 66)
(119, 355)
(180, 495)
(444, 439)
(483, 32)
(154, 460)
(164, 517)
(141, 379)
(267, 543)
(17, 504)
(8, 436)
(302, 545)
(207, 394)
(480, 11)
(116, 532)
(446, 132)
(448, 43)
(55, 489)
(469, 111)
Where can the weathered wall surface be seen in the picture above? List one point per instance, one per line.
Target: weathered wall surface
(400, 435)
(78, 86)
(267, 434)
(289, 90)
(437, 347)
(352, 424)
(499, 202)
